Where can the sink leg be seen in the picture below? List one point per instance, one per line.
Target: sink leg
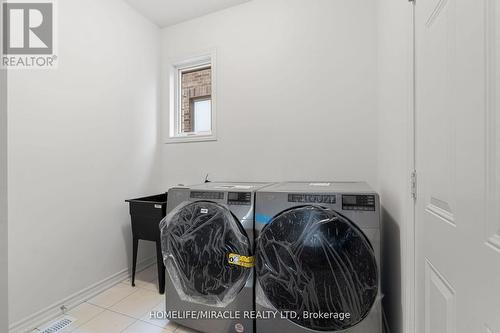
(134, 259)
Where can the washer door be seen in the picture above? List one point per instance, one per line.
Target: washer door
(199, 240)
(314, 261)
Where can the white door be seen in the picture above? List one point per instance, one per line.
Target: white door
(458, 166)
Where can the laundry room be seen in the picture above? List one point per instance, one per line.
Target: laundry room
(183, 166)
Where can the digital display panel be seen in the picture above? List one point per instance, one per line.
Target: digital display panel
(239, 198)
(232, 196)
(358, 202)
(349, 199)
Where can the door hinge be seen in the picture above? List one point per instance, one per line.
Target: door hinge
(413, 184)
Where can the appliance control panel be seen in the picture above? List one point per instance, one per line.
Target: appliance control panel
(239, 198)
(208, 195)
(358, 202)
(312, 198)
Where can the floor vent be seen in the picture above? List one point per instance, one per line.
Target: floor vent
(58, 326)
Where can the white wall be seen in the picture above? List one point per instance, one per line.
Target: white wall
(394, 73)
(296, 92)
(82, 139)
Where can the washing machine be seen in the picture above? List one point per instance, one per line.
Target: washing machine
(207, 244)
(317, 258)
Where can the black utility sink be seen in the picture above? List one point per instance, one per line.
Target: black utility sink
(146, 214)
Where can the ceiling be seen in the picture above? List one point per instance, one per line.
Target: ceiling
(169, 12)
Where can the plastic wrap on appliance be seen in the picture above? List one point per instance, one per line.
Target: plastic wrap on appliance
(206, 253)
(317, 264)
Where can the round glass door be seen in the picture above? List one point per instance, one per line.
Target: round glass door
(318, 264)
(197, 239)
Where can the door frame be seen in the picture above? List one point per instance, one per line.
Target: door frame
(409, 226)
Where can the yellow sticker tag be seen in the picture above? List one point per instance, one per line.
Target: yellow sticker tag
(244, 261)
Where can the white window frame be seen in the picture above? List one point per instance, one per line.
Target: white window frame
(174, 128)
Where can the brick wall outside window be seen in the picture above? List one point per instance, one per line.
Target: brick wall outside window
(194, 85)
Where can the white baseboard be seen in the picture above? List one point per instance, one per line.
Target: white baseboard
(53, 311)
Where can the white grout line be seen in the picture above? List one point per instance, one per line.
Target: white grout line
(128, 325)
(118, 301)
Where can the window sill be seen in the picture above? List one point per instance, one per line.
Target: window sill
(190, 138)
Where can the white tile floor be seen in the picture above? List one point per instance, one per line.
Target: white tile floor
(123, 308)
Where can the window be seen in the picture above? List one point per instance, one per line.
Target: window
(192, 113)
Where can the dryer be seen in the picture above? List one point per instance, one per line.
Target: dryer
(318, 258)
(207, 244)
